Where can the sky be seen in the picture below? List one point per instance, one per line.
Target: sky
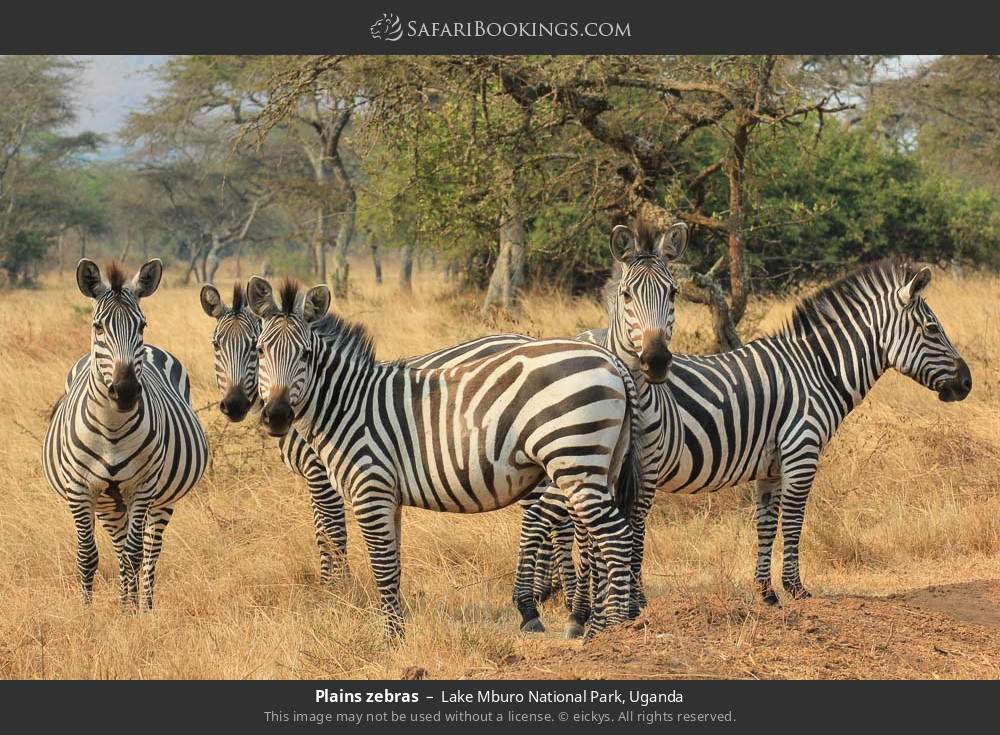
(113, 86)
(110, 88)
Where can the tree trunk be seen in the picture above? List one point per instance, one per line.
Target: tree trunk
(738, 268)
(345, 233)
(376, 262)
(406, 267)
(507, 281)
(319, 239)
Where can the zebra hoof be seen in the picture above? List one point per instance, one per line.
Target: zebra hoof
(799, 592)
(532, 626)
(770, 598)
(574, 630)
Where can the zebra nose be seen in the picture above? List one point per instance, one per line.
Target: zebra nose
(234, 405)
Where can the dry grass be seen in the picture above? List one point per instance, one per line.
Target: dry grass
(907, 496)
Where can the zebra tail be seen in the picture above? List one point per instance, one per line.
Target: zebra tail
(629, 486)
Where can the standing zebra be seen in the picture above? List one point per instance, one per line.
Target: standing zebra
(766, 411)
(234, 342)
(471, 438)
(123, 441)
(640, 302)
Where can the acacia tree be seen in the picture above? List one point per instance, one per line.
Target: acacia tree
(686, 107)
(36, 189)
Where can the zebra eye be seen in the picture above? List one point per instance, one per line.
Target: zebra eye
(142, 327)
(627, 296)
(260, 352)
(932, 328)
(98, 330)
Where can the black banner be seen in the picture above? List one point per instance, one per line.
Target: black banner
(426, 706)
(447, 26)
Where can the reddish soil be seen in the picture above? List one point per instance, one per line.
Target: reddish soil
(947, 631)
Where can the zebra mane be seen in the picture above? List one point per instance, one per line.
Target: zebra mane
(862, 285)
(289, 294)
(115, 273)
(349, 338)
(239, 298)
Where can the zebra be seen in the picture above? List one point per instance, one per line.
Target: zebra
(123, 440)
(640, 302)
(234, 342)
(766, 411)
(470, 438)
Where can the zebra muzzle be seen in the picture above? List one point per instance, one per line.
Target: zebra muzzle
(125, 387)
(277, 413)
(234, 405)
(655, 358)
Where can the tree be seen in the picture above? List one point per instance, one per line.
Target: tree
(34, 156)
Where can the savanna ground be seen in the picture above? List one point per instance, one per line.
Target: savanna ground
(901, 545)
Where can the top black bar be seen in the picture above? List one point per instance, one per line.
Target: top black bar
(397, 27)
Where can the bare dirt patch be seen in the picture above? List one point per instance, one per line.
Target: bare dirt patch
(948, 631)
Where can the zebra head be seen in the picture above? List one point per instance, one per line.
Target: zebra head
(641, 296)
(918, 346)
(116, 344)
(285, 348)
(234, 341)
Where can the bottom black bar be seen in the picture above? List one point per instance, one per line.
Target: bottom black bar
(270, 707)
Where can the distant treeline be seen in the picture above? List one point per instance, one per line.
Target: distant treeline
(510, 171)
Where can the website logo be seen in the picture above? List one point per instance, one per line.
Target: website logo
(387, 28)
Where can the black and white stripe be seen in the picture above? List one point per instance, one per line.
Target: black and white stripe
(471, 438)
(766, 411)
(234, 343)
(123, 442)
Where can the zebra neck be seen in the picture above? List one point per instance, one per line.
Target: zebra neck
(849, 357)
(337, 398)
(617, 343)
(98, 404)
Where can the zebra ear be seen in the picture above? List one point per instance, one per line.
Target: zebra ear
(623, 242)
(915, 286)
(672, 243)
(316, 304)
(211, 301)
(88, 278)
(147, 280)
(260, 296)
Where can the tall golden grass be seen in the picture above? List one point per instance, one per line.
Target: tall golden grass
(907, 496)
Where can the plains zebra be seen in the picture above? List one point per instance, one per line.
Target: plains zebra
(123, 441)
(766, 411)
(640, 301)
(234, 342)
(471, 438)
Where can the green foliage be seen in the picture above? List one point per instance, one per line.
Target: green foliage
(21, 255)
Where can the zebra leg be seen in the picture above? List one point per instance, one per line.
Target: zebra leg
(379, 518)
(152, 543)
(327, 505)
(611, 535)
(534, 530)
(330, 524)
(768, 497)
(794, 495)
(542, 585)
(562, 541)
(86, 547)
(115, 523)
(133, 551)
(580, 607)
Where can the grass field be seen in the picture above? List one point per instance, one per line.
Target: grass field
(902, 539)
